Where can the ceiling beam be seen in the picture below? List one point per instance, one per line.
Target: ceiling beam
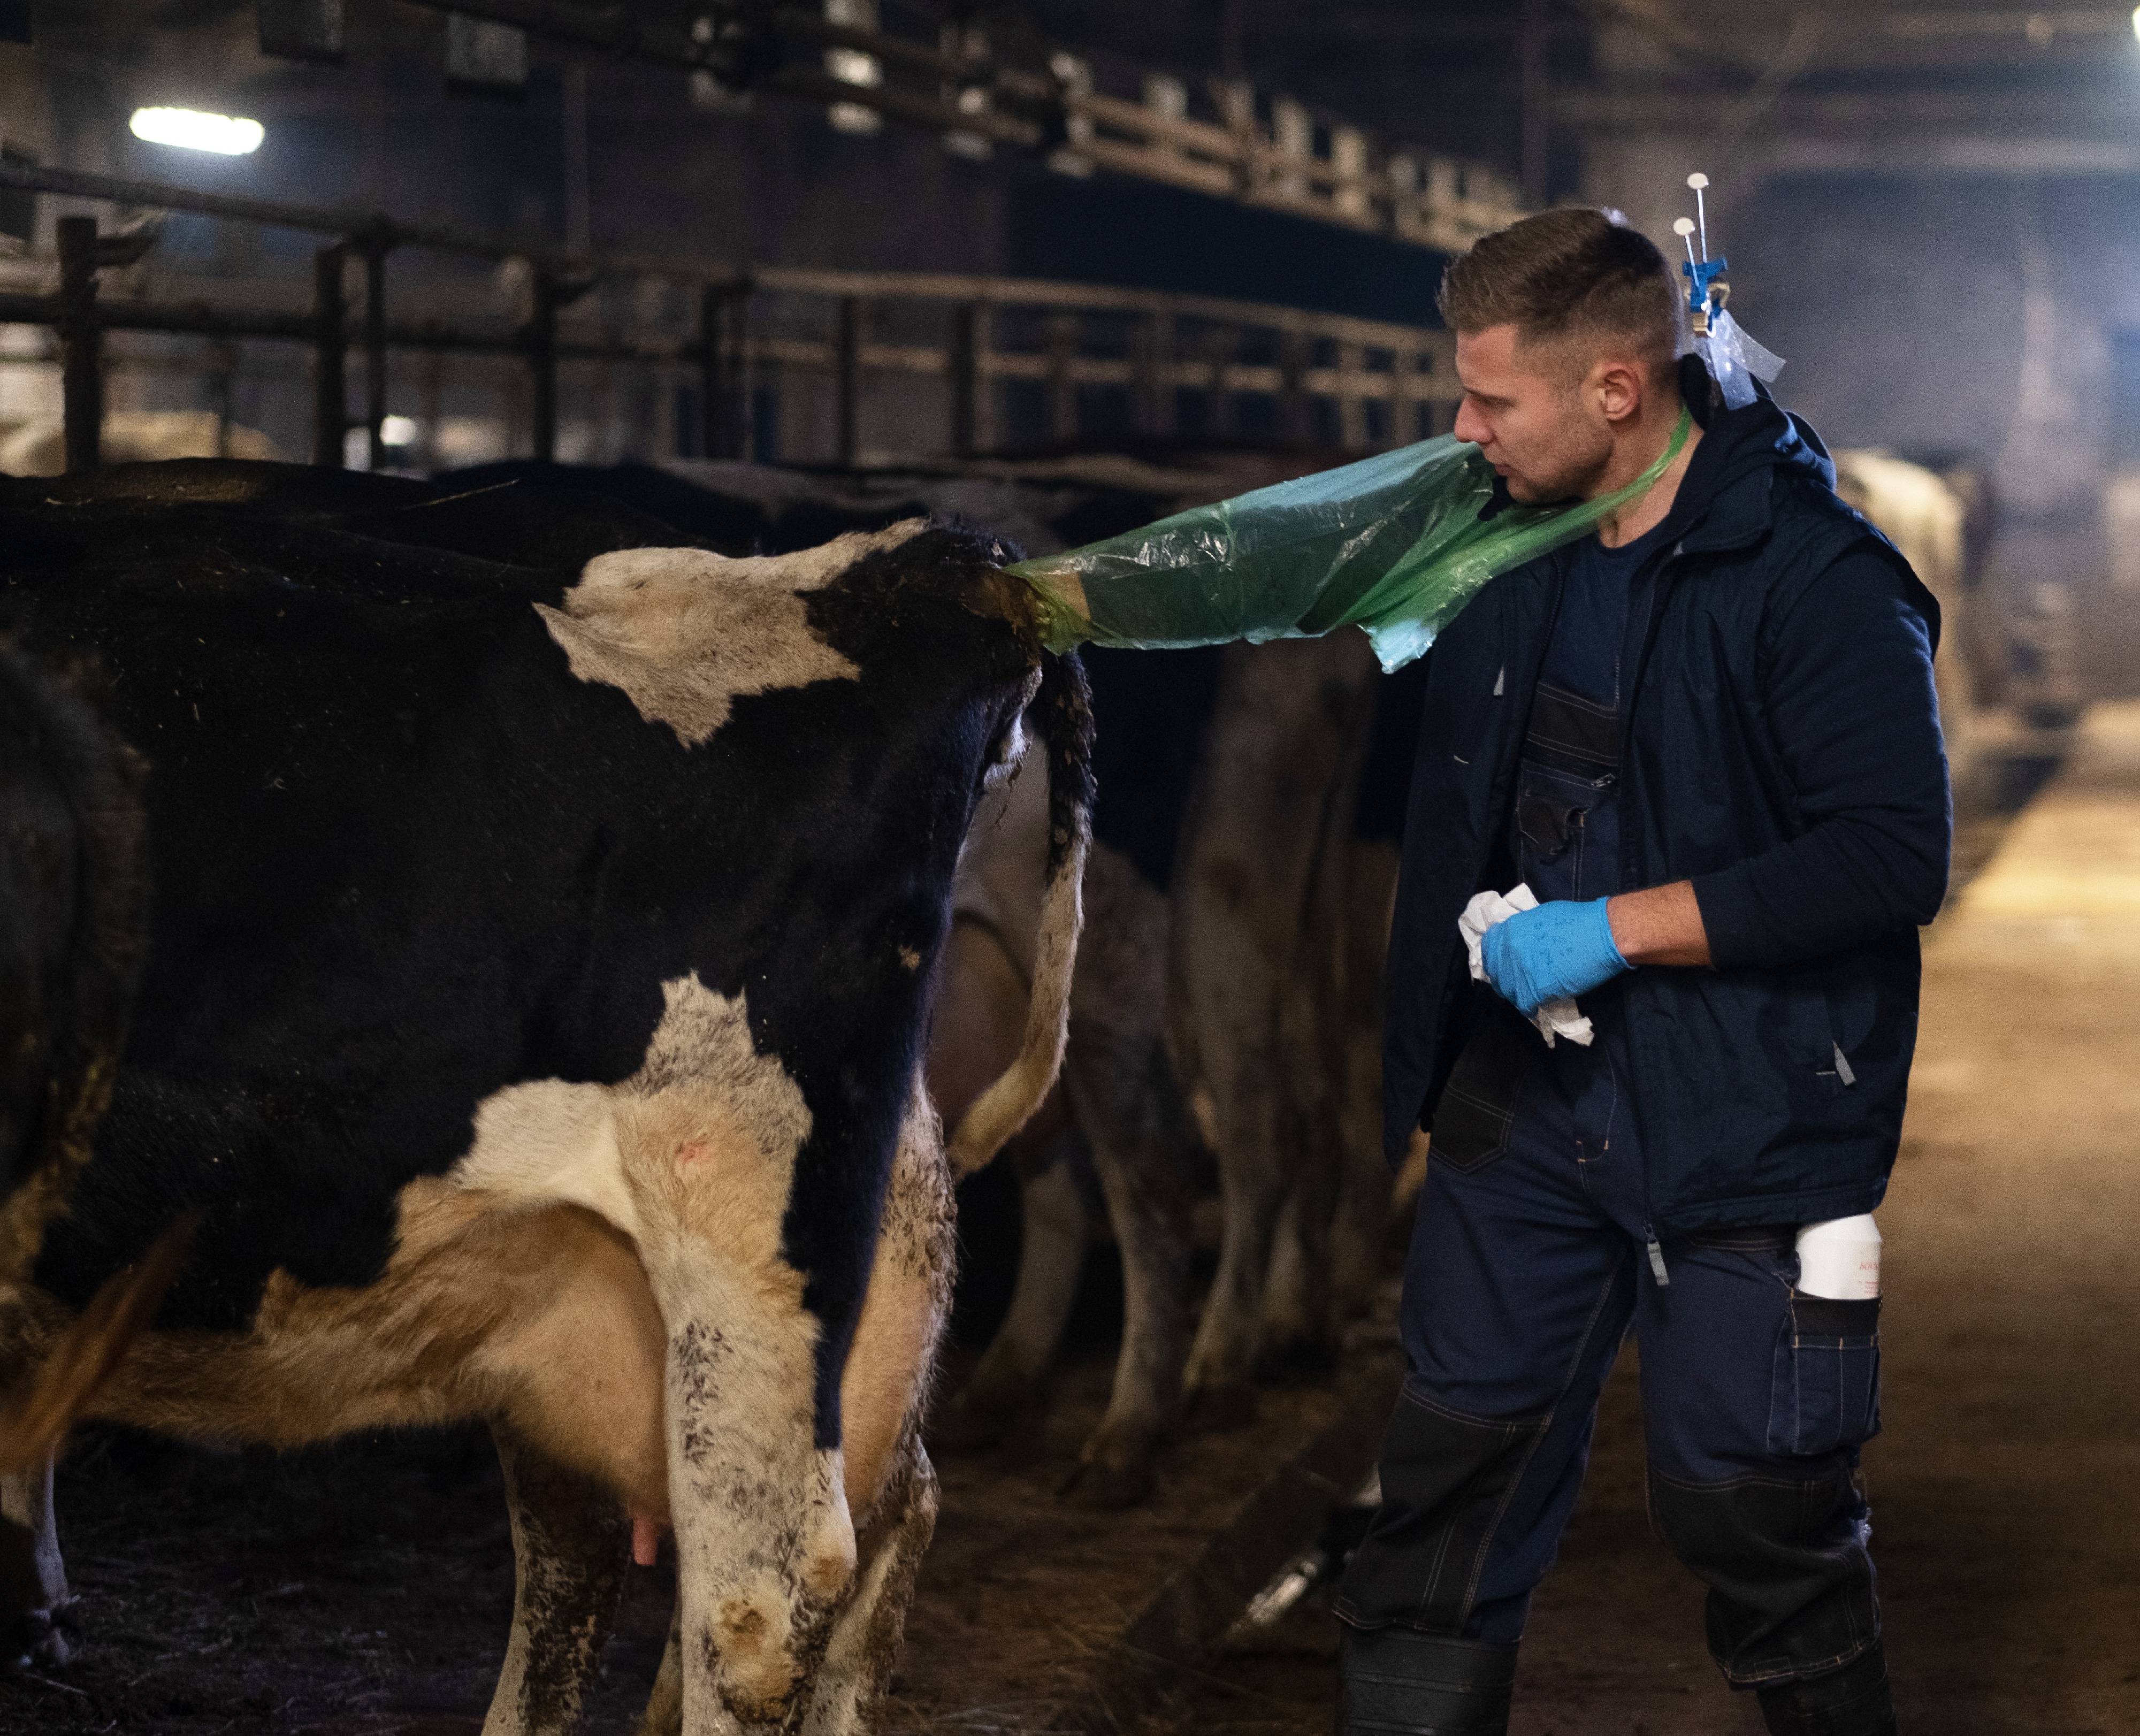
(2087, 113)
(1948, 154)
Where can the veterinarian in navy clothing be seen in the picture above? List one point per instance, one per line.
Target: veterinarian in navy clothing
(1706, 738)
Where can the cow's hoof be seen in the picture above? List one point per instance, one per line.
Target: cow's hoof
(43, 1639)
(970, 1424)
(1106, 1488)
(1216, 1410)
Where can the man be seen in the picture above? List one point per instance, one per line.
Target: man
(1705, 737)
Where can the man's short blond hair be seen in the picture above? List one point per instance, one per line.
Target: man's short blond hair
(1572, 282)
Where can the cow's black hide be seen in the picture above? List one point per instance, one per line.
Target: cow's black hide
(402, 857)
(1153, 708)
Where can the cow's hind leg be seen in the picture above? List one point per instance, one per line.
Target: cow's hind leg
(570, 1538)
(1008, 1378)
(1295, 1336)
(664, 1715)
(35, 1609)
(1125, 1100)
(1252, 1185)
(849, 1686)
(856, 1673)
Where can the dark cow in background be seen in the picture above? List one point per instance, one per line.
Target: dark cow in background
(543, 922)
(71, 895)
(1119, 1129)
(72, 889)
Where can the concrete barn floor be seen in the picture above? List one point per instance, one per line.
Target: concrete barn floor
(2005, 1486)
(364, 1589)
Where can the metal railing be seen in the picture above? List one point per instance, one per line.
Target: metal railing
(1384, 384)
(1044, 102)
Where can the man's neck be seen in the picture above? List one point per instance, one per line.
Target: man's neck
(1631, 455)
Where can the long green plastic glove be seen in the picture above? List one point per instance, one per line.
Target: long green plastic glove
(1393, 544)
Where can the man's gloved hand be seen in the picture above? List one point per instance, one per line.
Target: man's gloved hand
(1560, 948)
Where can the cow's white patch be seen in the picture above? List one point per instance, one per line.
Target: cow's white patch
(670, 1357)
(550, 1140)
(684, 632)
(694, 1157)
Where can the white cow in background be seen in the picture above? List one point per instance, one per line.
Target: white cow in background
(135, 437)
(1927, 520)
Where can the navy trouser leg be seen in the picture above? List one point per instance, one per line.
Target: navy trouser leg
(1518, 1291)
(1755, 1401)
(1526, 1270)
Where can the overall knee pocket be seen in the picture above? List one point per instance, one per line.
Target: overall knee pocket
(1790, 1582)
(1446, 1482)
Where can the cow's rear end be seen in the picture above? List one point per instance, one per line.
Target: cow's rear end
(535, 990)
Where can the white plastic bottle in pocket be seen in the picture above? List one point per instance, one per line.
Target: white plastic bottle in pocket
(1840, 1259)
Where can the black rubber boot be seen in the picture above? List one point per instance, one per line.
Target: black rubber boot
(1851, 1701)
(1395, 1681)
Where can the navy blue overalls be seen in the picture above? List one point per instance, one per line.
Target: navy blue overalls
(1531, 1260)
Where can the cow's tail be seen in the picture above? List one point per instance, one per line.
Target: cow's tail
(1061, 713)
(37, 1412)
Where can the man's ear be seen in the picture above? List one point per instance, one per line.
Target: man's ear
(1618, 389)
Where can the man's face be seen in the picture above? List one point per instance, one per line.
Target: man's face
(1546, 434)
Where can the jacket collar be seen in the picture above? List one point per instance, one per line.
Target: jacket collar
(1726, 499)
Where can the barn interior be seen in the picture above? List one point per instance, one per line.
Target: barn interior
(769, 272)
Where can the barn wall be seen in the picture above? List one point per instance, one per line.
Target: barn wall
(1989, 319)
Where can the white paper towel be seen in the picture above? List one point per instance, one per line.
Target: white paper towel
(1555, 1018)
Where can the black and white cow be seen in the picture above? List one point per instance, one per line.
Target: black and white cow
(537, 972)
(1249, 802)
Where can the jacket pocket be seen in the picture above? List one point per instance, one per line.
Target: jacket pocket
(1478, 1106)
(1826, 1392)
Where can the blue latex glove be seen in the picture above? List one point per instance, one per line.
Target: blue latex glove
(1560, 948)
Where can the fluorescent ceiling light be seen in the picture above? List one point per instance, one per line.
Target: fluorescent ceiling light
(225, 135)
(2136, 21)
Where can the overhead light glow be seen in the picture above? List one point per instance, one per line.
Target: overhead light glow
(2136, 21)
(225, 135)
(397, 431)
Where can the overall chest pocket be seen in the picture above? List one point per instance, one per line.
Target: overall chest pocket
(1570, 765)
(1826, 1392)
(1553, 828)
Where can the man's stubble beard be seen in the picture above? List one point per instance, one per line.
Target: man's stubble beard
(1572, 471)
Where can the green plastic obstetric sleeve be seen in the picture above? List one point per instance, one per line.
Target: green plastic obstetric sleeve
(1393, 544)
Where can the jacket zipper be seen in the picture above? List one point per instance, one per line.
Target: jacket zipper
(1657, 598)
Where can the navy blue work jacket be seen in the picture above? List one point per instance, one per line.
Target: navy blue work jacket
(1780, 749)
